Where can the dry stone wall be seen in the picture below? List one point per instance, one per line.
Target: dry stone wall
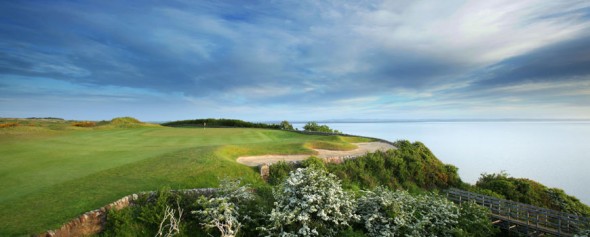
(92, 222)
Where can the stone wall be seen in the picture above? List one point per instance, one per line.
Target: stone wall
(92, 222)
(264, 171)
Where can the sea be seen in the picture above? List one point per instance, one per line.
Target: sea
(554, 153)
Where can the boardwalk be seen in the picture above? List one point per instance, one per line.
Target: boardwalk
(522, 218)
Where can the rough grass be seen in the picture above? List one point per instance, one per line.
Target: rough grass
(50, 175)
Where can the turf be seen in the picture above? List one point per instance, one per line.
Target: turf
(49, 176)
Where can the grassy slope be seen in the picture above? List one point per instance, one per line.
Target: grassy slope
(48, 177)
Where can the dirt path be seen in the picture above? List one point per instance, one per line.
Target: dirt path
(363, 148)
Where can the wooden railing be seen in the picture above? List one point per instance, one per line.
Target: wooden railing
(524, 218)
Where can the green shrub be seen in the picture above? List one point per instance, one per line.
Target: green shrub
(531, 192)
(315, 127)
(285, 125)
(279, 171)
(411, 166)
(123, 223)
(474, 221)
(144, 217)
(313, 161)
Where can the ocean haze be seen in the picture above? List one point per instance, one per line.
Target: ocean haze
(555, 153)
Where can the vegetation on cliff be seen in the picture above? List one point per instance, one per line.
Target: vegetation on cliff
(531, 192)
(411, 166)
(309, 202)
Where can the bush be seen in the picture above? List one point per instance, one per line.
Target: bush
(388, 213)
(8, 125)
(410, 166)
(222, 212)
(279, 171)
(314, 162)
(285, 125)
(123, 223)
(85, 124)
(143, 218)
(314, 127)
(474, 221)
(531, 192)
(310, 202)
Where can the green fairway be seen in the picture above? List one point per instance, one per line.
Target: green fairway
(50, 176)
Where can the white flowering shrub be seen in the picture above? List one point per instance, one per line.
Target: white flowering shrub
(222, 212)
(386, 213)
(311, 202)
(583, 233)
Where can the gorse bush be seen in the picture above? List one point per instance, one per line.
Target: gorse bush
(8, 125)
(85, 124)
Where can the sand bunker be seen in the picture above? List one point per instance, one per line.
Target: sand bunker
(363, 148)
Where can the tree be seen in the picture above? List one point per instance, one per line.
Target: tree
(310, 202)
(315, 127)
(223, 212)
(285, 125)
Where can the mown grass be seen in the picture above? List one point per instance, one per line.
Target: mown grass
(49, 176)
(341, 143)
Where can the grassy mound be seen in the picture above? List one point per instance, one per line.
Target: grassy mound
(127, 122)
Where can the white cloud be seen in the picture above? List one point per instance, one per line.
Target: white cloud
(475, 32)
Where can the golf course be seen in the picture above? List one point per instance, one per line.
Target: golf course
(53, 171)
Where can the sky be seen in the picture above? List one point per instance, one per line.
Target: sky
(295, 60)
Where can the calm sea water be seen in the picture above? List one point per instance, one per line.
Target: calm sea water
(556, 154)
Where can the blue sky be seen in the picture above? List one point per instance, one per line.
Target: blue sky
(295, 60)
